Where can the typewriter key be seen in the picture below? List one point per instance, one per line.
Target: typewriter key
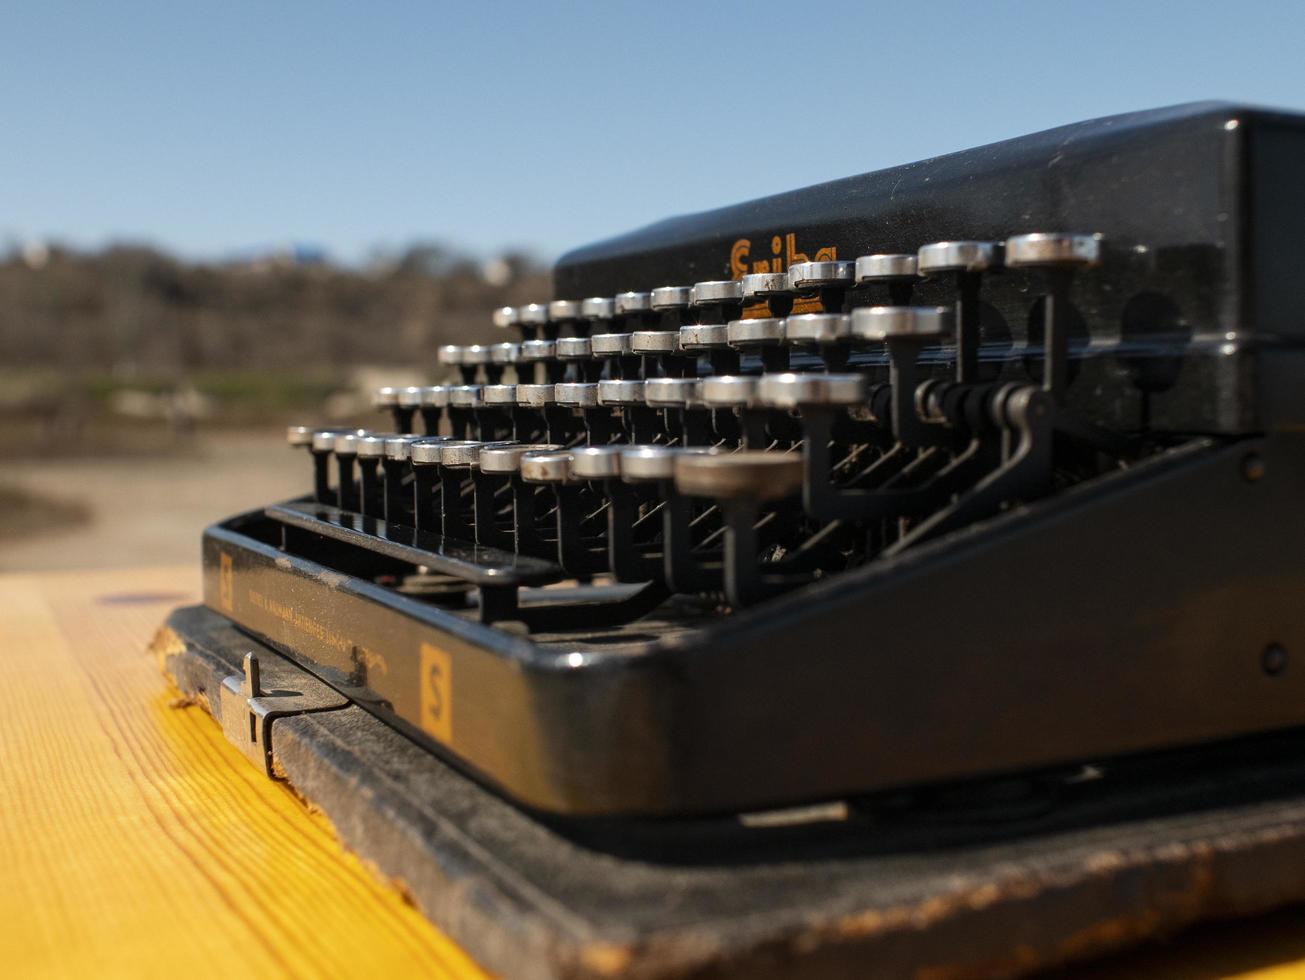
(897, 271)
(829, 281)
(967, 261)
(1060, 254)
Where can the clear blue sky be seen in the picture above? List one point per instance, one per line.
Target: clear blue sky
(211, 129)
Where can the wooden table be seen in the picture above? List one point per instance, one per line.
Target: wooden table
(135, 841)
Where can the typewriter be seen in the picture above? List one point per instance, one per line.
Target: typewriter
(989, 464)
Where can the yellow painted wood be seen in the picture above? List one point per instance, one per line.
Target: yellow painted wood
(134, 841)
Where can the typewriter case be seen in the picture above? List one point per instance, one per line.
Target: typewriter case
(1149, 599)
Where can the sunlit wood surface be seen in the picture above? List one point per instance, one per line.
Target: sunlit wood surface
(135, 842)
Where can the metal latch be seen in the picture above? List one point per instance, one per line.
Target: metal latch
(270, 689)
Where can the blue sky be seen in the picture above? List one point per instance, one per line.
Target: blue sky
(215, 128)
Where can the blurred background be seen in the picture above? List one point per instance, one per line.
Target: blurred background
(215, 222)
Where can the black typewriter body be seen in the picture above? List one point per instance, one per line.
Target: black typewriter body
(1026, 502)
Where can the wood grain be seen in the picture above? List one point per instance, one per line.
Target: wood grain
(135, 841)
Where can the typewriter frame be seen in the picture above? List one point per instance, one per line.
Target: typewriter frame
(1148, 609)
(691, 723)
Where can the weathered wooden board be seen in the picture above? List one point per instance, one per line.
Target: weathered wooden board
(914, 898)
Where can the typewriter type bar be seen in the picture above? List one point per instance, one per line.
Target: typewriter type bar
(840, 492)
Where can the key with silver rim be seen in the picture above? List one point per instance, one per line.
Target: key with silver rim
(684, 416)
(386, 399)
(1060, 255)
(432, 400)
(744, 484)
(904, 330)
(397, 466)
(654, 467)
(582, 397)
(895, 270)
(761, 335)
(533, 320)
(458, 459)
(631, 555)
(770, 288)
(826, 281)
(828, 333)
(966, 262)
(575, 553)
(499, 491)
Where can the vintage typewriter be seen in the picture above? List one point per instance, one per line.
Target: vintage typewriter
(989, 464)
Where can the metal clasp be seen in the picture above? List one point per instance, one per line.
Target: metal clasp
(267, 690)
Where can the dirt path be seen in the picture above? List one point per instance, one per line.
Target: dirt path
(148, 511)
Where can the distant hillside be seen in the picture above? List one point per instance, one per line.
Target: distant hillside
(135, 311)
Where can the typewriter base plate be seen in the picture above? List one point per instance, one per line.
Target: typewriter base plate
(981, 883)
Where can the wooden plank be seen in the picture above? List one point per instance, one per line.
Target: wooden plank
(135, 841)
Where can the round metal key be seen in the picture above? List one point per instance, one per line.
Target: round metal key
(398, 448)
(671, 297)
(886, 267)
(817, 328)
(879, 323)
(507, 459)
(506, 353)
(626, 303)
(805, 276)
(1044, 248)
(576, 394)
(434, 396)
(728, 390)
(535, 396)
(597, 308)
(715, 292)
(561, 310)
(752, 474)
(647, 464)
(426, 451)
(466, 396)
(671, 392)
(499, 394)
(466, 452)
(756, 332)
(538, 350)
(574, 349)
(704, 336)
(610, 344)
(761, 285)
(939, 257)
(655, 342)
(620, 392)
(596, 462)
(792, 390)
(533, 314)
(546, 467)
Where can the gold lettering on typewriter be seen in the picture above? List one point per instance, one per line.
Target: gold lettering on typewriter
(436, 685)
(783, 253)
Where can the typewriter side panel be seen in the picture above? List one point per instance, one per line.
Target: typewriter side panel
(1129, 619)
(1151, 615)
